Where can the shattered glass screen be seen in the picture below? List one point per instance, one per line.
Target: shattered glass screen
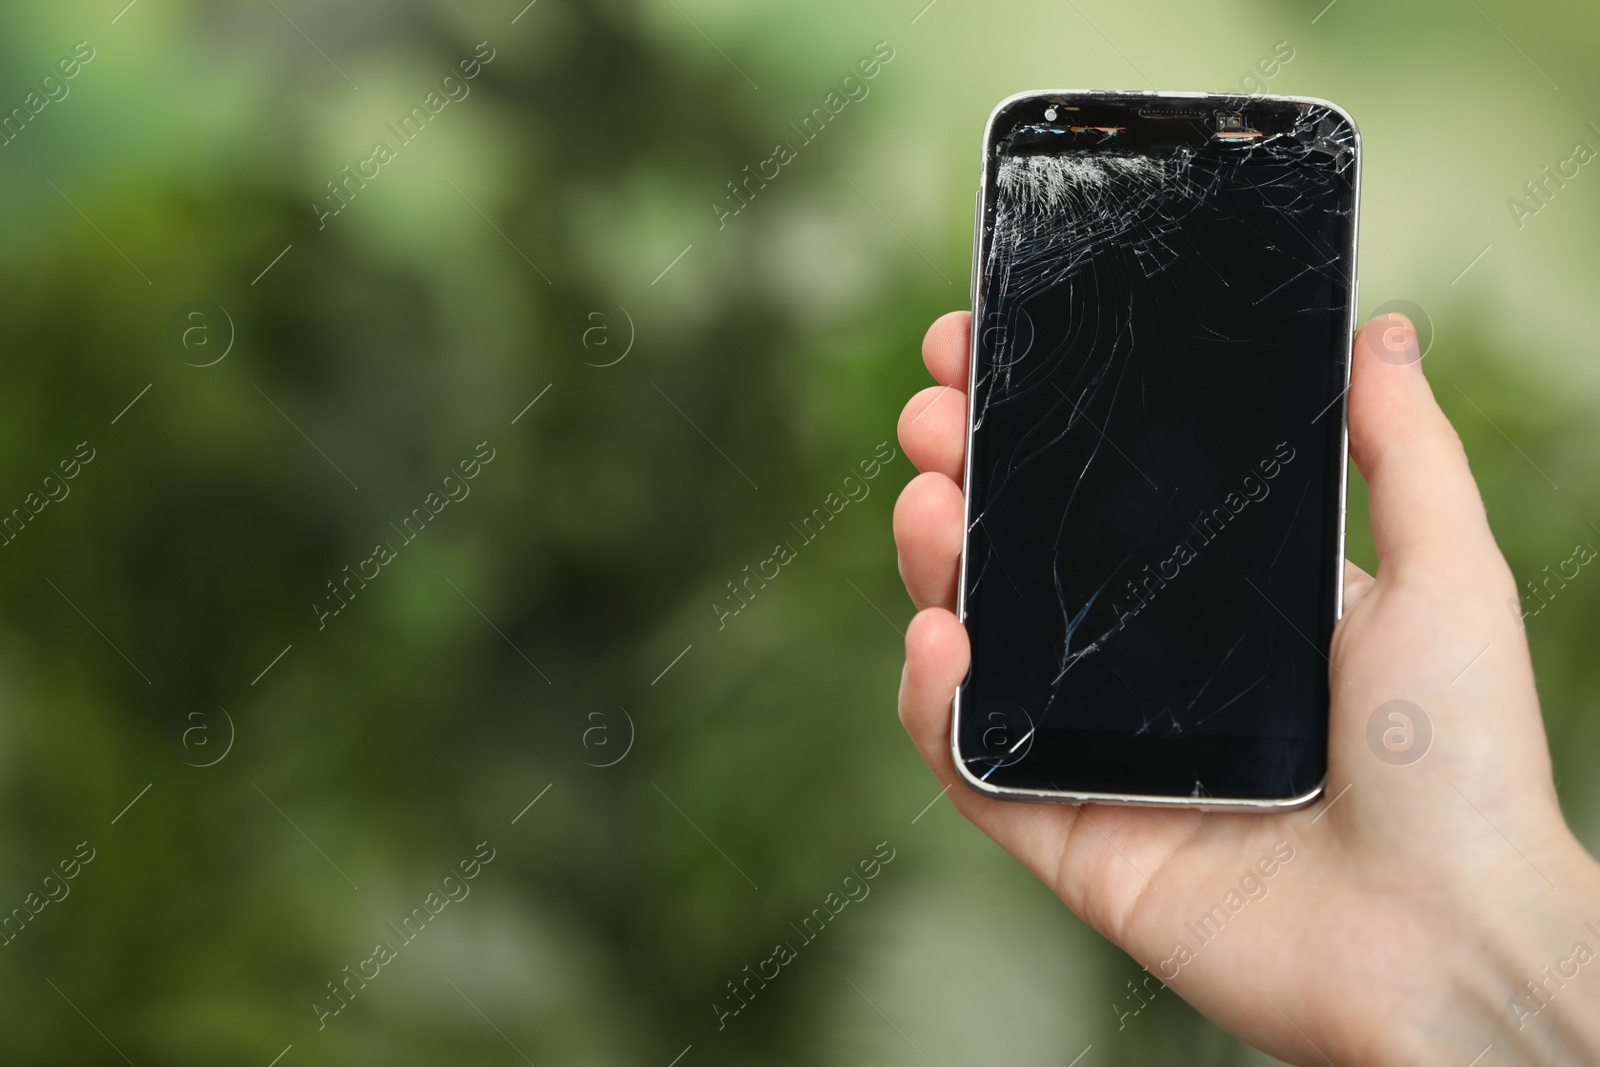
(1158, 400)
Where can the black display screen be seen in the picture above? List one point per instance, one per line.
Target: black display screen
(1161, 344)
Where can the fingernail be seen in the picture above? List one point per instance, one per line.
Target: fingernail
(1397, 341)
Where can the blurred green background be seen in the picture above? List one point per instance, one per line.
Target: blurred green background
(701, 386)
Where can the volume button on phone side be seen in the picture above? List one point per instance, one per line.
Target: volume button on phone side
(977, 241)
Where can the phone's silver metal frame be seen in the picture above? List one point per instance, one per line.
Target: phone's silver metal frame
(978, 254)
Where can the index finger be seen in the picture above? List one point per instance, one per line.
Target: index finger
(945, 348)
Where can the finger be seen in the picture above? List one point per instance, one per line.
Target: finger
(927, 530)
(937, 654)
(936, 661)
(933, 431)
(945, 348)
(1427, 516)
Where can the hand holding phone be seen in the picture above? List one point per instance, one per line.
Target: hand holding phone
(1420, 897)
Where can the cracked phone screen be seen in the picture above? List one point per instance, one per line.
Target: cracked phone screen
(1160, 359)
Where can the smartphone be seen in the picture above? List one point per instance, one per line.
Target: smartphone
(1163, 299)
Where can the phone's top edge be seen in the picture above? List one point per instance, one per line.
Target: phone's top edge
(1355, 129)
(1171, 94)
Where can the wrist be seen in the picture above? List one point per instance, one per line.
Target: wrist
(1529, 973)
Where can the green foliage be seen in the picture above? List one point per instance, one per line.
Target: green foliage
(550, 602)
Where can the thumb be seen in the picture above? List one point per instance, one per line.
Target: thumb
(1427, 515)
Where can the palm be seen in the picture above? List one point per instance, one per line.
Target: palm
(1386, 855)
